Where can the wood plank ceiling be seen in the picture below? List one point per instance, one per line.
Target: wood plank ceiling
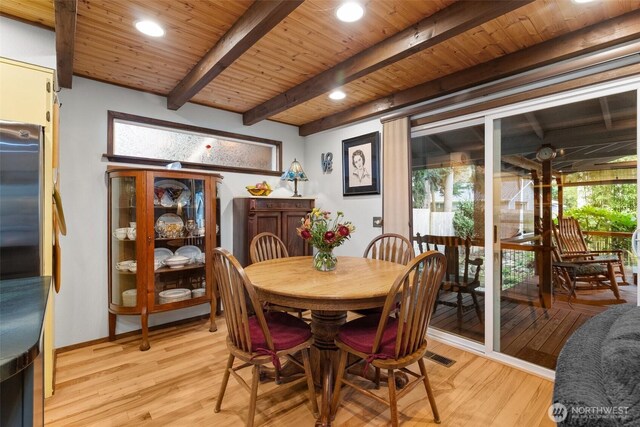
(279, 61)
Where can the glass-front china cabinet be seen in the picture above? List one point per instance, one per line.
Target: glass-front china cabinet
(161, 225)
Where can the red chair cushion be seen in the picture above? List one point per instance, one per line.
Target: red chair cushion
(286, 331)
(360, 333)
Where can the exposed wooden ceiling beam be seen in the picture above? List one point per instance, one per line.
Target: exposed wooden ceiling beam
(439, 144)
(258, 20)
(66, 12)
(522, 162)
(535, 125)
(590, 39)
(606, 114)
(437, 28)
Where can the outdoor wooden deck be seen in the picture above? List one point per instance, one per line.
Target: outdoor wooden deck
(528, 331)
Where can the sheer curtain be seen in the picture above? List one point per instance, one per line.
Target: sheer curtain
(396, 177)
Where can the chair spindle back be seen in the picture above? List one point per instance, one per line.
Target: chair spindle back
(417, 290)
(569, 236)
(266, 246)
(390, 247)
(233, 285)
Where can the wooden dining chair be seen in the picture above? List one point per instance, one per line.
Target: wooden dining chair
(388, 247)
(266, 246)
(257, 339)
(394, 343)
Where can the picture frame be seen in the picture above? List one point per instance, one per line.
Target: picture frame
(361, 165)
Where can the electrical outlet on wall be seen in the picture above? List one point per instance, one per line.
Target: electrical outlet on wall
(377, 221)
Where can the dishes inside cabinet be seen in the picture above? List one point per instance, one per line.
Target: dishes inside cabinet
(189, 251)
(173, 295)
(129, 297)
(169, 225)
(170, 193)
(160, 254)
(176, 261)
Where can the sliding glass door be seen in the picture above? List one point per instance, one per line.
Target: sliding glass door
(448, 215)
(540, 241)
(564, 209)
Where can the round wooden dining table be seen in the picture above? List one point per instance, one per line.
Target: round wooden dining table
(356, 283)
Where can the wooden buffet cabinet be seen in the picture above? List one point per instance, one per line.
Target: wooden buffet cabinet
(173, 213)
(280, 216)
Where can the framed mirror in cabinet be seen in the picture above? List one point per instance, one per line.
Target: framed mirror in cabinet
(161, 223)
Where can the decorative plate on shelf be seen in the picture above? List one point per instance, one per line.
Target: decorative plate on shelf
(170, 193)
(160, 254)
(189, 251)
(169, 225)
(174, 295)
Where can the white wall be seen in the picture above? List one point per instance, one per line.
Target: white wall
(360, 210)
(81, 307)
(27, 43)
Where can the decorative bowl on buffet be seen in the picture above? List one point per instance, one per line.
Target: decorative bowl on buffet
(260, 189)
(176, 261)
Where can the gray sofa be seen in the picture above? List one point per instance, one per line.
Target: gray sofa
(598, 372)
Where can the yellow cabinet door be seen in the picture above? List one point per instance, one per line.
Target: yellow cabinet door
(24, 93)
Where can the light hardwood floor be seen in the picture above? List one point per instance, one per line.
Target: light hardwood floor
(176, 383)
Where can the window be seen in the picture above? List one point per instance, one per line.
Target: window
(136, 139)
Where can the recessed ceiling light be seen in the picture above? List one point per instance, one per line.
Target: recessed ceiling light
(350, 12)
(582, 1)
(150, 28)
(337, 95)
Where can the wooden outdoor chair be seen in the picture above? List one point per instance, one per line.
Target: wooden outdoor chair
(257, 339)
(463, 280)
(567, 273)
(571, 242)
(570, 268)
(266, 246)
(394, 343)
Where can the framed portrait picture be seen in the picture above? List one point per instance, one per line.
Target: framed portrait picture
(361, 165)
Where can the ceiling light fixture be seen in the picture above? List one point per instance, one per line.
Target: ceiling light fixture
(582, 1)
(350, 12)
(150, 28)
(337, 95)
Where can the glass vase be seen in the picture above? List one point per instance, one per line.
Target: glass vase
(325, 260)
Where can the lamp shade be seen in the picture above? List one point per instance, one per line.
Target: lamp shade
(295, 172)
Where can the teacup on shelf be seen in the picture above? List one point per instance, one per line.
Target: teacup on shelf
(131, 233)
(133, 266)
(120, 233)
(124, 265)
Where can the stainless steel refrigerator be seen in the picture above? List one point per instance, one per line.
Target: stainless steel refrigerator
(21, 186)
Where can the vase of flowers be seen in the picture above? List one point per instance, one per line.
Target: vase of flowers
(325, 234)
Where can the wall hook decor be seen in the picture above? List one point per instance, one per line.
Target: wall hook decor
(326, 161)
